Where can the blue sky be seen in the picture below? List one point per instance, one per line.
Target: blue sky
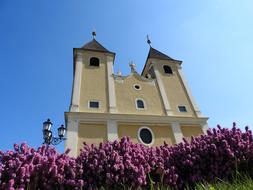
(213, 39)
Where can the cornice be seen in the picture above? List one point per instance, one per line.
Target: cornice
(132, 118)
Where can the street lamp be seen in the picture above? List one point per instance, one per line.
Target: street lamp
(48, 135)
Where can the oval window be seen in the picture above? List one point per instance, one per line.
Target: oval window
(137, 87)
(146, 136)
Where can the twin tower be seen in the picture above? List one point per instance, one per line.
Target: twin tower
(151, 107)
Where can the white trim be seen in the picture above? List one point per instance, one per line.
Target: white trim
(204, 127)
(135, 74)
(133, 118)
(183, 106)
(72, 136)
(112, 130)
(144, 103)
(161, 88)
(111, 85)
(93, 67)
(77, 83)
(94, 101)
(177, 133)
(136, 88)
(119, 80)
(153, 136)
(188, 91)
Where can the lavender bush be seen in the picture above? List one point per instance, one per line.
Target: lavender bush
(44, 168)
(123, 164)
(114, 164)
(206, 158)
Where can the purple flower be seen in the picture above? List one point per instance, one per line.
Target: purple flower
(204, 158)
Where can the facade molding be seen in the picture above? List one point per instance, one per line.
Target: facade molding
(188, 91)
(112, 130)
(161, 88)
(131, 118)
(204, 127)
(77, 83)
(136, 75)
(178, 135)
(111, 85)
(72, 136)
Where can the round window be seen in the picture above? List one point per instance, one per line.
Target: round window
(137, 87)
(146, 136)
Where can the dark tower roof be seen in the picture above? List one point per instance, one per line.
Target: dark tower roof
(153, 53)
(94, 45)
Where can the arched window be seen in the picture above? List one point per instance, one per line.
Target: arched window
(167, 69)
(94, 61)
(140, 104)
(152, 73)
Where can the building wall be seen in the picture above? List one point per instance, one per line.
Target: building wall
(96, 133)
(175, 90)
(191, 130)
(161, 133)
(94, 87)
(91, 134)
(94, 83)
(126, 96)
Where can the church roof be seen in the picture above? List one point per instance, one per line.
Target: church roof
(153, 53)
(94, 45)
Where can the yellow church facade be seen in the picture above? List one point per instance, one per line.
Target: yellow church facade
(151, 107)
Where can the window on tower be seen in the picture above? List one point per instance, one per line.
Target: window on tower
(182, 109)
(140, 104)
(151, 72)
(167, 69)
(94, 104)
(94, 61)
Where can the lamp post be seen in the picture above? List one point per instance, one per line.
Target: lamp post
(48, 136)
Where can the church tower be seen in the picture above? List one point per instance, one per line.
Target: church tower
(151, 107)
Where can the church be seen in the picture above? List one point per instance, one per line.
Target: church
(151, 107)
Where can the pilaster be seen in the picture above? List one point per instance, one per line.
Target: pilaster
(177, 132)
(111, 86)
(112, 130)
(161, 88)
(204, 127)
(77, 83)
(72, 137)
(188, 91)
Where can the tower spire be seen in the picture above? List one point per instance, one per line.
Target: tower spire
(148, 41)
(94, 34)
